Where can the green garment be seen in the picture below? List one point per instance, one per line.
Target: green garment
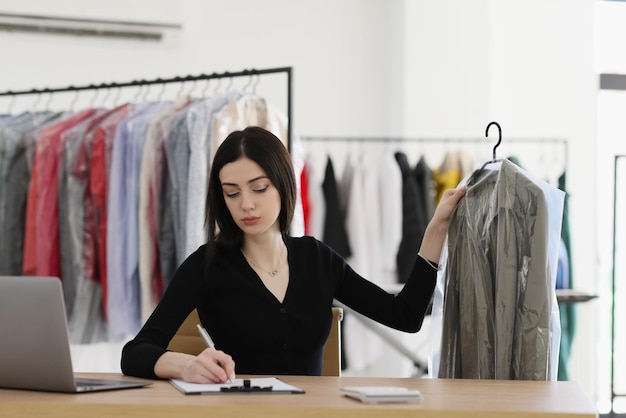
(568, 313)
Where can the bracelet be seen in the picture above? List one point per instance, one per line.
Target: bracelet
(430, 263)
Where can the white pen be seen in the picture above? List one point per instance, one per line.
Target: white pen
(209, 342)
(205, 336)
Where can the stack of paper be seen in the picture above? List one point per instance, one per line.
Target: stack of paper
(380, 394)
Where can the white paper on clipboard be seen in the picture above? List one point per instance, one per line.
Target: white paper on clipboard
(277, 386)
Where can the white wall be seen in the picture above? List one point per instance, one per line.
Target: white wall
(447, 71)
(544, 86)
(528, 65)
(431, 68)
(339, 51)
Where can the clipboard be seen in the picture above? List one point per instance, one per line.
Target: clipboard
(263, 385)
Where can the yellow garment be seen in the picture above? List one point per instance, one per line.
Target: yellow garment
(453, 169)
(444, 181)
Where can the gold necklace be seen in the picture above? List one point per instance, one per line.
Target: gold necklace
(272, 273)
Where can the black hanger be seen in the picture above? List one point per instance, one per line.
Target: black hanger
(499, 136)
(477, 173)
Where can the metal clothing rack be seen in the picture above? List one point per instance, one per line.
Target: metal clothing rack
(421, 365)
(135, 83)
(403, 140)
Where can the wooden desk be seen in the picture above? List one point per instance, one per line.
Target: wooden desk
(442, 398)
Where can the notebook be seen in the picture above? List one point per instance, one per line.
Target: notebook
(382, 394)
(34, 340)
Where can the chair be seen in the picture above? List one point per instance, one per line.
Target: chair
(331, 359)
(187, 340)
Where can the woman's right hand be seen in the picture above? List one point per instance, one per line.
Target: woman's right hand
(210, 366)
(437, 228)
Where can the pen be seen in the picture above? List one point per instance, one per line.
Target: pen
(209, 342)
(205, 336)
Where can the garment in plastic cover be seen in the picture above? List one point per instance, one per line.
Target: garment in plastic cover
(495, 313)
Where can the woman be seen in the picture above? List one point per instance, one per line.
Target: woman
(263, 296)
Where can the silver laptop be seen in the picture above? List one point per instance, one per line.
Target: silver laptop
(34, 339)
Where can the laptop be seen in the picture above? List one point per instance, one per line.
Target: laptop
(34, 339)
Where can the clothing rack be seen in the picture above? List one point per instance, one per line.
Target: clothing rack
(135, 83)
(479, 141)
(421, 365)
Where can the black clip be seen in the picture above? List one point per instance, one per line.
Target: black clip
(247, 387)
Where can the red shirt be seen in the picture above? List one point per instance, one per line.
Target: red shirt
(41, 236)
(306, 203)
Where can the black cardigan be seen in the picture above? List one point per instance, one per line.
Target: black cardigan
(263, 335)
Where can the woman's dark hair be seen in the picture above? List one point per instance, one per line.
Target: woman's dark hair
(265, 149)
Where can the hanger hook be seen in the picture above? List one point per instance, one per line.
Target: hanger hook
(230, 84)
(73, 103)
(256, 83)
(248, 84)
(217, 86)
(116, 99)
(160, 95)
(37, 100)
(50, 95)
(11, 103)
(107, 93)
(499, 136)
(206, 88)
(95, 96)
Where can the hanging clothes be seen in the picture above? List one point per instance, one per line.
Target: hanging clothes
(390, 198)
(14, 183)
(41, 241)
(314, 195)
(150, 182)
(335, 234)
(454, 167)
(67, 211)
(359, 186)
(412, 231)
(424, 177)
(83, 293)
(568, 311)
(106, 198)
(202, 120)
(171, 235)
(98, 190)
(499, 311)
(305, 193)
(124, 301)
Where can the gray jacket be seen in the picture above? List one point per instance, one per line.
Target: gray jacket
(497, 321)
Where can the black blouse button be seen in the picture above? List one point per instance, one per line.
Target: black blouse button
(284, 346)
(283, 310)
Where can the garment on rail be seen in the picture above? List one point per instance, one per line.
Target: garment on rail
(111, 200)
(499, 314)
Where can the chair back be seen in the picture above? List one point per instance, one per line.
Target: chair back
(187, 339)
(331, 359)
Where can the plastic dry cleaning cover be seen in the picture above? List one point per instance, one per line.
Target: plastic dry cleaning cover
(495, 313)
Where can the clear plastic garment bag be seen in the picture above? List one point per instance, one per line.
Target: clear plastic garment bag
(495, 313)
